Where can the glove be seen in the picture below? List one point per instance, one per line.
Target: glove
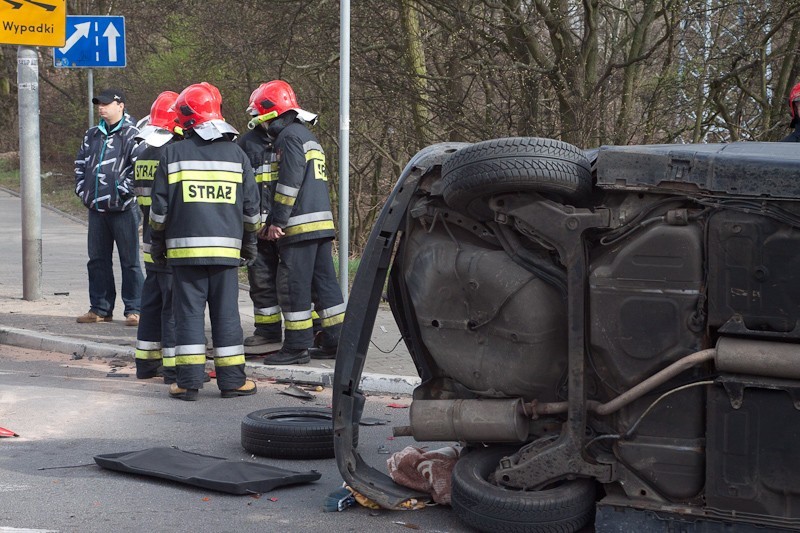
(158, 248)
(249, 251)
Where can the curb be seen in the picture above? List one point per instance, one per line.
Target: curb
(370, 382)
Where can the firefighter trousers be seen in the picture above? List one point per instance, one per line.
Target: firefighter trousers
(262, 275)
(155, 338)
(304, 267)
(194, 286)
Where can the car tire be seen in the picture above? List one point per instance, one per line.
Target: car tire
(516, 164)
(291, 433)
(565, 507)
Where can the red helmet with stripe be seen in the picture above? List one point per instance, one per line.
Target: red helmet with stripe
(198, 104)
(276, 95)
(162, 112)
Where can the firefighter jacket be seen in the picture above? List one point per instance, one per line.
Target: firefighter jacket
(301, 205)
(258, 147)
(104, 167)
(204, 200)
(144, 172)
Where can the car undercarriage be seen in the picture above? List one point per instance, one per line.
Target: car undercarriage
(611, 334)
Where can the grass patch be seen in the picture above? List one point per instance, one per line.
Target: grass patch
(58, 190)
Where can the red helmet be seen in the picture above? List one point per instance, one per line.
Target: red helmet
(198, 104)
(794, 95)
(276, 95)
(162, 112)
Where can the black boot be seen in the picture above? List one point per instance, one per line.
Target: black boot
(288, 356)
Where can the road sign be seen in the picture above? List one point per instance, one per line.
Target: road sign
(33, 22)
(92, 42)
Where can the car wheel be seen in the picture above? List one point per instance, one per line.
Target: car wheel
(290, 433)
(515, 164)
(563, 508)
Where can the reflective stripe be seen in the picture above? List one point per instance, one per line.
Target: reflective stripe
(298, 325)
(332, 321)
(314, 154)
(227, 351)
(309, 217)
(148, 345)
(155, 217)
(196, 242)
(285, 200)
(186, 253)
(143, 191)
(190, 359)
(223, 166)
(335, 310)
(184, 349)
(205, 175)
(296, 315)
(146, 247)
(310, 146)
(148, 258)
(231, 360)
(314, 315)
(287, 191)
(255, 219)
(146, 201)
(168, 352)
(168, 362)
(307, 228)
(148, 355)
(267, 315)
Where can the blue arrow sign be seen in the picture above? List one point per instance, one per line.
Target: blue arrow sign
(92, 42)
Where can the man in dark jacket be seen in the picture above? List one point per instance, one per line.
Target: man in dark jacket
(104, 182)
(302, 224)
(794, 110)
(204, 218)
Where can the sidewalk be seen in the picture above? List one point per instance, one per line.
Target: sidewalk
(49, 324)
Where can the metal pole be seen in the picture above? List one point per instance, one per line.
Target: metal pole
(90, 78)
(344, 147)
(30, 171)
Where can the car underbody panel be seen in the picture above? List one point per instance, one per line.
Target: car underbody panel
(627, 315)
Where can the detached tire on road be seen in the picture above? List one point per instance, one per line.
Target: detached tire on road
(290, 433)
(515, 164)
(564, 508)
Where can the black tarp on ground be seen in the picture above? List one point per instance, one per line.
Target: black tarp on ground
(204, 471)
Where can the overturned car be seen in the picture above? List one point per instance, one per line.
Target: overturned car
(611, 334)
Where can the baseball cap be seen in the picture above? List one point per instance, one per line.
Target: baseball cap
(108, 96)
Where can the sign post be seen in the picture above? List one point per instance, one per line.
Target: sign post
(31, 23)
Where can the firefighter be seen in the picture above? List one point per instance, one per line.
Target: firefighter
(155, 338)
(302, 225)
(204, 217)
(257, 144)
(794, 110)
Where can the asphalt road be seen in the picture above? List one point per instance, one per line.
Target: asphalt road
(66, 412)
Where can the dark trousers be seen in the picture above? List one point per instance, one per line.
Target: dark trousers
(304, 267)
(218, 286)
(155, 338)
(106, 230)
(262, 276)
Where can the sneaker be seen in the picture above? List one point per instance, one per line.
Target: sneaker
(323, 352)
(248, 389)
(258, 340)
(288, 356)
(132, 319)
(189, 395)
(91, 317)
